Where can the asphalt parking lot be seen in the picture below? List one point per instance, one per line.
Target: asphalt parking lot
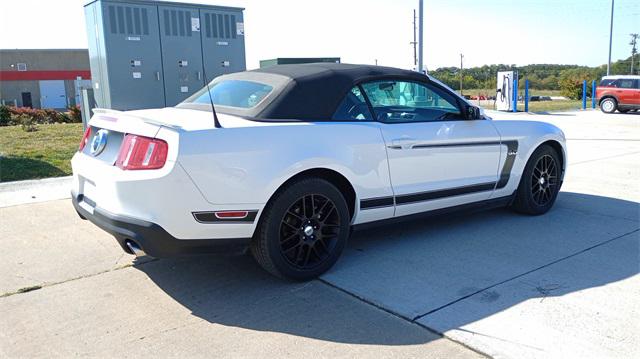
(494, 283)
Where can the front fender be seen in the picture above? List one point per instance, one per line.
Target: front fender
(529, 135)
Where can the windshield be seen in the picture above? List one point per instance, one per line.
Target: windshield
(232, 93)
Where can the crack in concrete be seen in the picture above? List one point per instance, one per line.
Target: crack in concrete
(525, 273)
(604, 158)
(560, 205)
(400, 316)
(603, 139)
(50, 284)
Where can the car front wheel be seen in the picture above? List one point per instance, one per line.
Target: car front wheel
(540, 182)
(303, 230)
(608, 105)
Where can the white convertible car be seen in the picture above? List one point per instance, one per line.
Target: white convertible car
(287, 160)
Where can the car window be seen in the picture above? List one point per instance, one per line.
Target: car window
(353, 107)
(403, 101)
(234, 93)
(608, 82)
(625, 83)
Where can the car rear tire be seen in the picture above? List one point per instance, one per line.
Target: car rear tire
(540, 182)
(608, 105)
(302, 231)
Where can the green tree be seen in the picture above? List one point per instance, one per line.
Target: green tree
(541, 76)
(571, 82)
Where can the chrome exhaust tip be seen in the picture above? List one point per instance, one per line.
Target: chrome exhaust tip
(135, 249)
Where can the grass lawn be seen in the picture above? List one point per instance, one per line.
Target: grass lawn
(492, 92)
(543, 106)
(40, 154)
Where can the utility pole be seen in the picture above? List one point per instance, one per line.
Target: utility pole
(461, 56)
(610, 38)
(414, 42)
(420, 36)
(634, 50)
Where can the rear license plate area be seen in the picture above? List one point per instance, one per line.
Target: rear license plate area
(87, 195)
(104, 145)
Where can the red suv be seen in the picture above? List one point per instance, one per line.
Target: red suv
(620, 93)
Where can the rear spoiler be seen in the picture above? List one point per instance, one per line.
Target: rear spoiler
(107, 111)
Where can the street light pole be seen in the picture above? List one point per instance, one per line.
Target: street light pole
(415, 42)
(610, 38)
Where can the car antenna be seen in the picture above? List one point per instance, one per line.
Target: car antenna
(216, 123)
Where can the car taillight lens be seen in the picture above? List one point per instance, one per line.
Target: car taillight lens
(142, 153)
(85, 139)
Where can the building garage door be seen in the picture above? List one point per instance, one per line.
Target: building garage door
(53, 94)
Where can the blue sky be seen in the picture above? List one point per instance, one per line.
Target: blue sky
(361, 31)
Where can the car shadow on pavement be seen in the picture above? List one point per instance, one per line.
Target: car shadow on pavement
(417, 270)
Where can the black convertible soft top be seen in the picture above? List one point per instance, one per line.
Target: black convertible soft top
(308, 91)
(316, 90)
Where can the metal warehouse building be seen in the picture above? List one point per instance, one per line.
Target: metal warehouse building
(43, 78)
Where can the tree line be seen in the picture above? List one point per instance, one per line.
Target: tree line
(566, 78)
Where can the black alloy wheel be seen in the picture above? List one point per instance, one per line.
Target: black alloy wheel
(540, 182)
(309, 231)
(303, 230)
(544, 180)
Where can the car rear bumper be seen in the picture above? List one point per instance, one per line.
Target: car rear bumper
(150, 237)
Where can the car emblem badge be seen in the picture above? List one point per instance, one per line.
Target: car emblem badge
(99, 142)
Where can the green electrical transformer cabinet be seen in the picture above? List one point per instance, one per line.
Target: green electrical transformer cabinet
(150, 54)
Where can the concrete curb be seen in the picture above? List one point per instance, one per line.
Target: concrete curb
(32, 191)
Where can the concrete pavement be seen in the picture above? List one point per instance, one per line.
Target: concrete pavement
(205, 307)
(560, 285)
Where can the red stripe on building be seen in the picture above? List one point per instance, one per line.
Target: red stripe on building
(44, 75)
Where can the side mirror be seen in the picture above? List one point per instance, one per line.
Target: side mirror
(472, 113)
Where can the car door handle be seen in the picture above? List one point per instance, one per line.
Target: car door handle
(404, 143)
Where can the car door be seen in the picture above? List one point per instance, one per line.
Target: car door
(625, 91)
(436, 158)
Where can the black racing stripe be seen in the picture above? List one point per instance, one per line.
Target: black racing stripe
(459, 144)
(376, 202)
(505, 174)
(210, 217)
(450, 192)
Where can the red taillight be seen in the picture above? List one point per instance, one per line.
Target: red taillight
(85, 139)
(231, 214)
(142, 153)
